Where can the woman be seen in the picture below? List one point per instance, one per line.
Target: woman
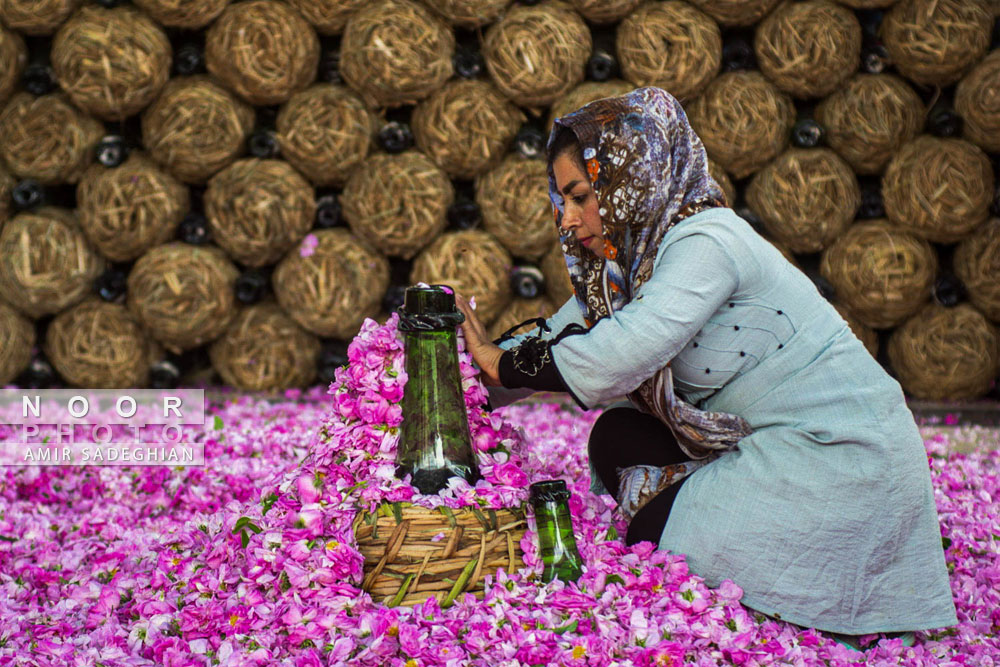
(760, 438)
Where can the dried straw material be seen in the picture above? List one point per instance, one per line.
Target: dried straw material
(264, 349)
(404, 566)
(603, 12)
(881, 274)
(331, 291)
(867, 335)
(670, 45)
(47, 138)
(977, 100)
(937, 188)
(46, 263)
(584, 94)
(868, 4)
(36, 17)
(722, 178)
(325, 132)
(518, 311)
(744, 121)
(328, 17)
(934, 42)
(945, 353)
(474, 264)
(183, 13)
(736, 12)
(805, 198)
(13, 58)
(514, 200)
(396, 52)
(111, 62)
(262, 50)
(977, 264)
(869, 119)
(196, 128)
(397, 203)
(183, 295)
(808, 48)
(98, 345)
(537, 54)
(18, 335)
(465, 127)
(259, 209)
(126, 211)
(558, 287)
(7, 183)
(469, 13)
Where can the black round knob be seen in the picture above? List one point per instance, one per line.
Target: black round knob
(251, 286)
(329, 66)
(872, 205)
(394, 298)
(111, 151)
(752, 218)
(527, 282)
(263, 144)
(530, 142)
(944, 121)
(807, 133)
(823, 286)
(949, 290)
(464, 214)
(38, 375)
(194, 229)
(602, 65)
(327, 211)
(395, 137)
(164, 375)
(38, 79)
(27, 194)
(737, 54)
(874, 58)
(189, 59)
(468, 62)
(111, 286)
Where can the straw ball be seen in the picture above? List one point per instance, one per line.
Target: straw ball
(196, 128)
(881, 273)
(603, 12)
(7, 184)
(536, 54)
(36, 17)
(934, 42)
(13, 58)
(470, 13)
(869, 118)
(584, 94)
(46, 138)
(183, 13)
(867, 335)
(46, 261)
(259, 209)
(558, 286)
(126, 211)
(474, 264)
(183, 295)
(736, 12)
(518, 311)
(977, 100)
(325, 132)
(332, 289)
(808, 48)
(514, 200)
(867, 4)
(264, 349)
(670, 45)
(18, 335)
(465, 127)
(938, 188)
(396, 52)
(722, 178)
(805, 198)
(262, 50)
(328, 17)
(111, 62)
(98, 345)
(945, 353)
(397, 203)
(743, 120)
(977, 265)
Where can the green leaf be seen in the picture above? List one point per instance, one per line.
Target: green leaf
(218, 423)
(946, 542)
(569, 627)
(614, 579)
(268, 502)
(5, 538)
(460, 583)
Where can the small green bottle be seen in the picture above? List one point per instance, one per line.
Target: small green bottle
(434, 444)
(556, 543)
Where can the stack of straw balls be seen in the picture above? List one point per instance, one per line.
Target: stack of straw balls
(244, 183)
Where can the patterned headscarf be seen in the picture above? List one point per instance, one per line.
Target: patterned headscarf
(649, 171)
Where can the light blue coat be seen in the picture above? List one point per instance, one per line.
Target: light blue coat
(825, 515)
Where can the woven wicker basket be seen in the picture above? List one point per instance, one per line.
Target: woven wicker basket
(404, 565)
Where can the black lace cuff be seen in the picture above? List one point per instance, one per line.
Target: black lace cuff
(530, 365)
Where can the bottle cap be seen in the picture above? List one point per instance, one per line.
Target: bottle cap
(430, 308)
(549, 491)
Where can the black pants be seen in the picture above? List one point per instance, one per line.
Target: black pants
(624, 437)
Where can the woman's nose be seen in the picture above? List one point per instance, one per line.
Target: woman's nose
(569, 221)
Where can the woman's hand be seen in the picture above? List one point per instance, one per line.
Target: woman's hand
(477, 342)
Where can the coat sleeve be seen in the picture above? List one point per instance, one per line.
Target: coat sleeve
(693, 277)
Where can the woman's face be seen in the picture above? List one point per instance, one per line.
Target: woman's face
(580, 209)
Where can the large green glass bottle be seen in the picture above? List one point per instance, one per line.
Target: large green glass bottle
(556, 543)
(435, 444)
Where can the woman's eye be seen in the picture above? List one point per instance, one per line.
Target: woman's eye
(579, 199)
